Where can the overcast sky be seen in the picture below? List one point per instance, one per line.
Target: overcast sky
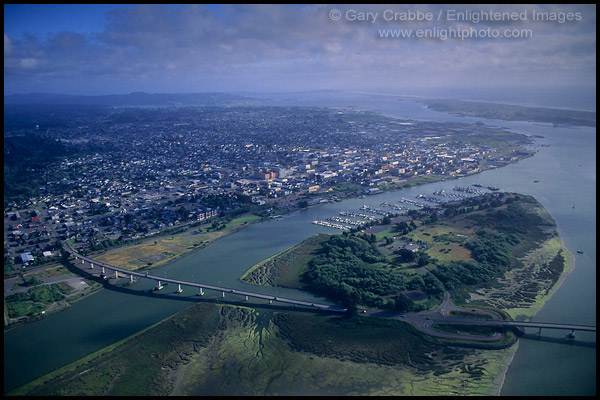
(102, 49)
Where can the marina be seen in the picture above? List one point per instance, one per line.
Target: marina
(469, 190)
(344, 221)
(392, 206)
(358, 215)
(332, 225)
(373, 210)
(349, 220)
(416, 203)
(568, 370)
(429, 199)
(453, 196)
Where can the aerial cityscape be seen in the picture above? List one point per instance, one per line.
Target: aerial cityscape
(299, 200)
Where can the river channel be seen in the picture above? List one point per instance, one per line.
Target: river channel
(566, 175)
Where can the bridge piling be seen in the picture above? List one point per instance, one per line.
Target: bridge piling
(179, 289)
(519, 326)
(200, 292)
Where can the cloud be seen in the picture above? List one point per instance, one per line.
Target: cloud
(8, 46)
(254, 47)
(28, 63)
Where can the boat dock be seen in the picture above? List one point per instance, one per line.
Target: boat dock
(332, 225)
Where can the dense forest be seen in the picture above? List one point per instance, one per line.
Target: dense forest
(351, 269)
(27, 162)
(491, 250)
(348, 268)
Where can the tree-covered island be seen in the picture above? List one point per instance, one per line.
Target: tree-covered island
(496, 251)
(499, 251)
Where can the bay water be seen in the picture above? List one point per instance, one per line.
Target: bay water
(566, 175)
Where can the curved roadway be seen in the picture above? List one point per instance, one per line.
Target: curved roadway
(423, 321)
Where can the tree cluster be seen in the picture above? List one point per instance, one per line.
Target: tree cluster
(405, 227)
(28, 160)
(490, 249)
(345, 270)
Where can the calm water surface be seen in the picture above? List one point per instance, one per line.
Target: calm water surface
(566, 174)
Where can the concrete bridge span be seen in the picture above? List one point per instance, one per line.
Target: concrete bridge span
(417, 319)
(95, 264)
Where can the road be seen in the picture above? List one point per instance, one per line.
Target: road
(124, 273)
(424, 321)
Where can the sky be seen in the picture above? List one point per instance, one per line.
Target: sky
(114, 49)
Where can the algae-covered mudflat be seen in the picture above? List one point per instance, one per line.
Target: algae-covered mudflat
(212, 349)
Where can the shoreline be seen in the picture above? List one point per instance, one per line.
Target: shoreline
(55, 307)
(405, 185)
(262, 219)
(502, 376)
(94, 290)
(566, 272)
(174, 258)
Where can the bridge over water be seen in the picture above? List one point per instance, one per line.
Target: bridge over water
(520, 324)
(121, 272)
(325, 307)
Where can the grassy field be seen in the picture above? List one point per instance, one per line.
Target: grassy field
(59, 270)
(444, 239)
(43, 298)
(156, 252)
(211, 349)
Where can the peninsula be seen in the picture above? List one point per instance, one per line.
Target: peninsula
(155, 208)
(511, 112)
(497, 254)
